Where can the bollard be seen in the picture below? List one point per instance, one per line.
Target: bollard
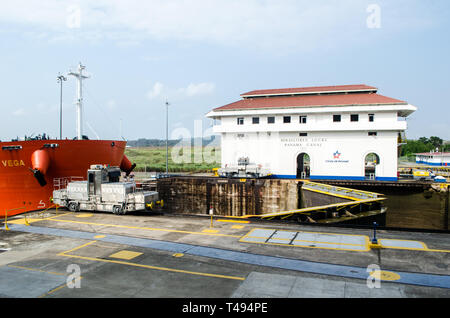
(26, 221)
(374, 240)
(211, 212)
(374, 243)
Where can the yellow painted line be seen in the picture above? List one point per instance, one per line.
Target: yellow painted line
(424, 248)
(145, 266)
(234, 221)
(385, 275)
(237, 227)
(178, 255)
(54, 290)
(144, 228)
(127, 255)
(99, 236)
(36, 270)
(22, 221)
(436, 250)
(210, 231)
(56, 216)
(77, 248)
(84, 215)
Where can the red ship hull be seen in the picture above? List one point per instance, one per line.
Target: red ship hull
(21, 191)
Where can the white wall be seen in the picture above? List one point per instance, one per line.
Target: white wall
(278, 152)
(276, 146)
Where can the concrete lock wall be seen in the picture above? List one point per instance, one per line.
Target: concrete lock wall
(228, 197)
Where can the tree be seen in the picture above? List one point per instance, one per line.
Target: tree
(436, 142)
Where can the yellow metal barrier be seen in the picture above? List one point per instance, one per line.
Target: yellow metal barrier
(307, 211)
(6, 216)
(40, 213)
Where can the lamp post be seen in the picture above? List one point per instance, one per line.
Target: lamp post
(60, 79)
(167, 138)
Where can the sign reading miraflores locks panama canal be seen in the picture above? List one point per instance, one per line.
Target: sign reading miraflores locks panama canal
(345, 132)
(303, 142)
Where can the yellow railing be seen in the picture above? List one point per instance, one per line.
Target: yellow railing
(6, 216)
(56, 206)
(340, 191)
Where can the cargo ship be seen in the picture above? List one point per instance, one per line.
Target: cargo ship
(31, 169)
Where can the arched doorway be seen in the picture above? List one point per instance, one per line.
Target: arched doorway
(303, 166)
(371, 161)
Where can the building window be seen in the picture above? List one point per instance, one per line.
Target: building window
(240, 121)
(372, 133)
(371, 117)
(255, 120)
(286, 119)
(303, 134)
(354, 117)
(271, 120)
(336, 118)
(303, 119)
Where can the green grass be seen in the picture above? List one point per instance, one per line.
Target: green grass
(154, 159)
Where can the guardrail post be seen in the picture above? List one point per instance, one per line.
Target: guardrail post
(6, 220)
(26, 221)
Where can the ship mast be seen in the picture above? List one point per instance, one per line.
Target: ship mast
(79, 76)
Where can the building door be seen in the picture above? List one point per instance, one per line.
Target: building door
(371, 161)
(303, 166)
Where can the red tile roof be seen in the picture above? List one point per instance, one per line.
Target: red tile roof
(306, 90)
(310, 101)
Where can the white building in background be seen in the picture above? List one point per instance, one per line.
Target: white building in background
(335, 132)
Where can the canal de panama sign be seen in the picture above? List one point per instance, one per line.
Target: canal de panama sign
(337, 158)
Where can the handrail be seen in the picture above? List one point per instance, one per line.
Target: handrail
(6, 216)
(315, 208)
(40, 213)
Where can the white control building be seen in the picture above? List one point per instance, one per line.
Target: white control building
(323, 133)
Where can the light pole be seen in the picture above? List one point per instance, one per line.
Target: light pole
(167, 138)
(60, 79)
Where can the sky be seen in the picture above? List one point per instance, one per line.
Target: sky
(202, 54)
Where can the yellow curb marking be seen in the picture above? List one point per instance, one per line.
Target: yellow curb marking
(385, 275)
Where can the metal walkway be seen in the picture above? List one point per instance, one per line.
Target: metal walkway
(422, 279)
(358, 243)
(356, 198)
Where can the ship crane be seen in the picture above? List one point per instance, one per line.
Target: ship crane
(80, 77)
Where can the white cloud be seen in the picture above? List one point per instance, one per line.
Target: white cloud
(19, 112)
(200, 89)
(111, 104)
(161, 91)
(269, 24)
(156, 90)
